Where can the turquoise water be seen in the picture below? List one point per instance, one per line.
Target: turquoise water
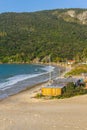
(11, 74)
(10, 70)
(17, 77)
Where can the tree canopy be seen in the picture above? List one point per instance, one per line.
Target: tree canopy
(26, 36)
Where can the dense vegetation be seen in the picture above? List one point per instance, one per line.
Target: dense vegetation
(28, 36)
(73, 90)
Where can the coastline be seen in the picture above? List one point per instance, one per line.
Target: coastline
(29, 83)
(24, 112)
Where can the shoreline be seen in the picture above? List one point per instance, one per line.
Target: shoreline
(35, 89)
(27, 84)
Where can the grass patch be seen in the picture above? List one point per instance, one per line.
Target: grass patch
(78, 70)
(39, 95)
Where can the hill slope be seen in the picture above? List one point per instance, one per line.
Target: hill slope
(26, 36)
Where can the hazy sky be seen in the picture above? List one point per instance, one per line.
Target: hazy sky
(36, 5)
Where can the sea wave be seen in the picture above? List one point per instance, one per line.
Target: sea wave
(15, 79)
(48, 68)
(18, 78)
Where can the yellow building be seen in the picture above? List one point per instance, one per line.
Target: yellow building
(52, 90)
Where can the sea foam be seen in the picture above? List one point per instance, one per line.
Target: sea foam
(18, 78)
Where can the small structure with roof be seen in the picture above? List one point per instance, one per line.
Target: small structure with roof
(70, 62)
(57, 86)
(52, 90)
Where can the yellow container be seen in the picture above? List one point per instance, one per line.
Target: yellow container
(46, 91)
(58, 91)
(51, 91)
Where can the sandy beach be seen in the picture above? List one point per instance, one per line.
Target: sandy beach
(23, 112)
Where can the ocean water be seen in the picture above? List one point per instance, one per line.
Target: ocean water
(17, 77)
(11, 74)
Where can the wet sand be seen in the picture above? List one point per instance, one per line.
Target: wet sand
(23, 112)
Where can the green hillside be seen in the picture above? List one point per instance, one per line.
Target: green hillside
(26, 36)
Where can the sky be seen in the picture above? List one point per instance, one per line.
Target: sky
(37, 5)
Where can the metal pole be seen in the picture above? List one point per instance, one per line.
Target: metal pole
(49, 69)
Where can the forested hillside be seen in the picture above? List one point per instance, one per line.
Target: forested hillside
(28, 36)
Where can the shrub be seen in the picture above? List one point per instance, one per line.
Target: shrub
(71, 90)
(39, 95)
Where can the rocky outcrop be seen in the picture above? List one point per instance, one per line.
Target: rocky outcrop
(71, 13)
(81, 17)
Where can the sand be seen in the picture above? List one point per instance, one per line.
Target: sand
(23, 112)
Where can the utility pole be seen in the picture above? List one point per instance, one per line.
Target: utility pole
(50, 75)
